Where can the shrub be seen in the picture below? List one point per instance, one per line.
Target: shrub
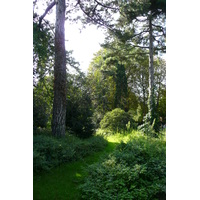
(49, 152)
(117, 120)
(135, 170)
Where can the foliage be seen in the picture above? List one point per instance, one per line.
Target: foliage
(148, 128)
(79, 107)
(141, 24)
(137, 115)
(116, 120)
(49, 151)
(162, 107)
(151, 124)
(43, 50)
(40, 114)
(121, 87)
(42, 103)
(102, 85)
(135, 170)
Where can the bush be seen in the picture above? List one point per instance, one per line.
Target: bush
(117, 120)
(136, 170)
(49, 152)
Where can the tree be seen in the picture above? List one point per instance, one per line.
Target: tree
(59, 103)
(142, 25)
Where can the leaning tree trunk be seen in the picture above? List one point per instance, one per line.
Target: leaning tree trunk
(151, 73)
(59, 103)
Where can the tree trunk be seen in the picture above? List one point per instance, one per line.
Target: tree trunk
(151, 72)
(59, 104)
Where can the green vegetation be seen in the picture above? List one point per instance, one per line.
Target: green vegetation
(135, 170)
(62, 182)
(117, 120)
(49, 152)
(130, 166)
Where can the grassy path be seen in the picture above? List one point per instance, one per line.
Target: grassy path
(61, 182)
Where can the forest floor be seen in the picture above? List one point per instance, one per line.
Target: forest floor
(62, 182)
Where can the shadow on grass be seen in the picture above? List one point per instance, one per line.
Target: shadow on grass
(62, 182)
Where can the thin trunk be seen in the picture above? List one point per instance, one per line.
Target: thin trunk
(59, 104)
(151, 70)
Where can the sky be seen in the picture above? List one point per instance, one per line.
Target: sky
(84, 44)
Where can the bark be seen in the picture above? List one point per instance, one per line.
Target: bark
(59, 104)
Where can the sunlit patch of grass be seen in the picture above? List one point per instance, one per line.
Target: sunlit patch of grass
(117, 137)
(126, 136)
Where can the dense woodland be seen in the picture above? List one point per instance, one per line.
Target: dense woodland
(122, 96)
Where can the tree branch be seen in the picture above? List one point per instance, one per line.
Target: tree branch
(143, 47)
(145, 31)
(98, 21)
(46, 11)
(138, 20)
(105, 5)
(161, 29)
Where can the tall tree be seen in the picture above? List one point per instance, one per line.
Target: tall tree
(59, 103)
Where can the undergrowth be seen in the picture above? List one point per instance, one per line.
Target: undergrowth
(132, 166)
(135, 170)
(49, 151)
